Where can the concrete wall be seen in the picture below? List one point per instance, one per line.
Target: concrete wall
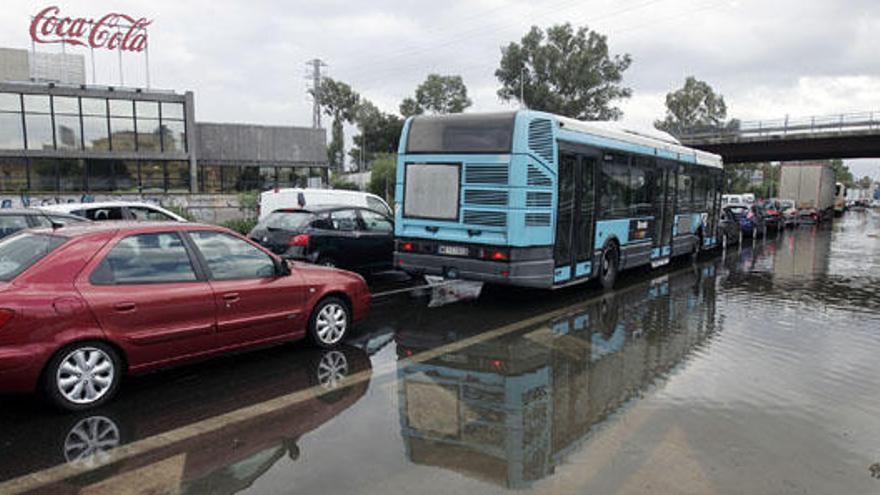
(209, 208)
(243, 144)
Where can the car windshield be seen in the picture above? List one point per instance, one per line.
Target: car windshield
(18, 253)
(286, 220)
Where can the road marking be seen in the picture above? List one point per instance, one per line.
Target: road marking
(49, 476)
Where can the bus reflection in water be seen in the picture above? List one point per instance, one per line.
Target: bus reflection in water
(510, 409)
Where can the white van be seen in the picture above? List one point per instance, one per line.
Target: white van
(732, 199)
(277, 199)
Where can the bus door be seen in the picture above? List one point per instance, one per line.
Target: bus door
(573, 249)
(664, 201)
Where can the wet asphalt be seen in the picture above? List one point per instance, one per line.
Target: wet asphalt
(756, 370)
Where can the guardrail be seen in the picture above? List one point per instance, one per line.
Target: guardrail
(801, 126)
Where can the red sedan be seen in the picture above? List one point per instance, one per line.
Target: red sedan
(80, 306)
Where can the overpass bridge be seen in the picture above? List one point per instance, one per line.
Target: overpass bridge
(851, 135)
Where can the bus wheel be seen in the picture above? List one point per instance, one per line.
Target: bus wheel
(608, 268)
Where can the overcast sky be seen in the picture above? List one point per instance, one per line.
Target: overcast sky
(246, 60)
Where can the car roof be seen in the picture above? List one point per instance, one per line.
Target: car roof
(88, 228)
(321, 209)
(68, 207)
(36, 211)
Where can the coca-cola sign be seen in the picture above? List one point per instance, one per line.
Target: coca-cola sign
(113, 31)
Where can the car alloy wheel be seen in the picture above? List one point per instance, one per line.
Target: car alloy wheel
(90, 441)
(330, 322)
(332, 369)
(85, 375)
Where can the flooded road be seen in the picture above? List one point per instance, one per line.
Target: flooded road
(753, 372)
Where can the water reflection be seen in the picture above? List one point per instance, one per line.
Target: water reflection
(206, 458)
(510, 409)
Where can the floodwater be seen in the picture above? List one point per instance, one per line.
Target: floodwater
(755, 371)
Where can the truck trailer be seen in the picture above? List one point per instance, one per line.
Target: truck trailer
(812, 186)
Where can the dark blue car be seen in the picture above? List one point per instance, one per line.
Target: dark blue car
(749, 217)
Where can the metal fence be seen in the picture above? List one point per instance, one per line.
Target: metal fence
(779, 128)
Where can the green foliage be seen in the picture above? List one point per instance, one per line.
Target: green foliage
(241, 225)
(180, 211)
(564, 71)
(437, 95)
(842, 173)
(694, 107)
(248, 201)
(865, 182)
(383, 177)
(342, 183)
(380, 133)
(339, 101)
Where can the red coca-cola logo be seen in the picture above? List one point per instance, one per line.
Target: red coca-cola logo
(112, 32)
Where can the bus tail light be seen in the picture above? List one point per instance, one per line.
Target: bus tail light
(5, 316)
(406, 246)
(301, 240)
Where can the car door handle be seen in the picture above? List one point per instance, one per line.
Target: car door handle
(125, 307)
(231, 297)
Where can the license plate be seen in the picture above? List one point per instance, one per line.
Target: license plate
(453, 250)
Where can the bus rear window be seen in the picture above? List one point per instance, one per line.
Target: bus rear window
(462, 133)
(20, 252)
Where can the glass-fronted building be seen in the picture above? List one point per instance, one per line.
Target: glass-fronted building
(59, 139)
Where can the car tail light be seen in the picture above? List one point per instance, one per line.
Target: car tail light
(750, 215)
(496, 255)
(406, 246)
(301, 240)
(5, 316)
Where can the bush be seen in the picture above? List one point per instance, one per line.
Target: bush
(340, 183)
(181, 211)
(241, 225)
(383, 175)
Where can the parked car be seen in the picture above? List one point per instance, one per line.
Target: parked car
(750, 220)
(280, 199)
(771, 210)
(117, 210)
(14, 220)
(728, 227)
(732, 199)
(117, 298)
(356, 239)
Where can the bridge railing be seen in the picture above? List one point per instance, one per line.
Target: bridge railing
(801, 126)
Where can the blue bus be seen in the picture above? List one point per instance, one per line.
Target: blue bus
(533, 199)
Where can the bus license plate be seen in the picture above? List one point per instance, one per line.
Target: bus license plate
(453, 250)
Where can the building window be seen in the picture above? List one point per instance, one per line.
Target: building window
(249, 180)
(210, 179)
(95, 130)
(13, 175)
(44, 175)
(100, 175)
(68, 129)
(11, 134)
(152, 176)
(148, 128)
(268, 178)
(229, 178)
(287, 177)
(70, 174)
(178, 177)
(173, 127)
(122, 125)
(38, 122)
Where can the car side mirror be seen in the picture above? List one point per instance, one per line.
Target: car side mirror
(282, 269)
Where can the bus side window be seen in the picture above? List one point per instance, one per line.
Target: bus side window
(615, 198)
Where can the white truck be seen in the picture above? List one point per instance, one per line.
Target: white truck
(812, 187)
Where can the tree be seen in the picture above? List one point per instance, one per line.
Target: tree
(437, 95)
(841, 172)
(564, 72)
(339, 101)
(693, 107)
(380, 132)
(383, 176)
